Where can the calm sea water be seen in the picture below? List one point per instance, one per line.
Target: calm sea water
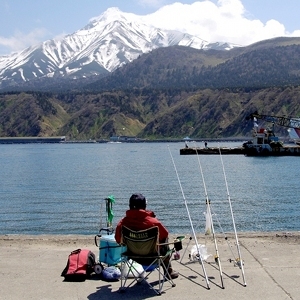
(59, 188)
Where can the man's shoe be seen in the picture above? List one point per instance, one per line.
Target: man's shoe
(172, 274)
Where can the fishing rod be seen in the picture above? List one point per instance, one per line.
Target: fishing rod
(189, 216)
(217, 258)
(239, 261)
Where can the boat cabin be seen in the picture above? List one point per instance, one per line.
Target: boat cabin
(264, 136)
(263, 141)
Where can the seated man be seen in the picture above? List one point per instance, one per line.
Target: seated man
(138, 218)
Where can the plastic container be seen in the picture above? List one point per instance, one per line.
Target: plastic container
(109, 250)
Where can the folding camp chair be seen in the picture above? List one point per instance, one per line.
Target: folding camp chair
(143, 247)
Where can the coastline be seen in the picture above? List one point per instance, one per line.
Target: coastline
(31, 266)
(87, 239)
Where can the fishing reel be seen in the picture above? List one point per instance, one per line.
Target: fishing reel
(217, 260)
(237, 262)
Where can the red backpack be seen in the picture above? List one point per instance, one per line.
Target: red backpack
(80, 265)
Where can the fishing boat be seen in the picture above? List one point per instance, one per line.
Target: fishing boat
(263, 143)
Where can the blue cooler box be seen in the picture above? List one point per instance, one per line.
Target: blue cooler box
(109, 250)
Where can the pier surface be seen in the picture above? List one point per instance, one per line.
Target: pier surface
(31, 267)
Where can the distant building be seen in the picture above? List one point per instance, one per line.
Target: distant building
(124, 138)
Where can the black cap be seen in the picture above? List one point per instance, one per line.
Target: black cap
(137, 201)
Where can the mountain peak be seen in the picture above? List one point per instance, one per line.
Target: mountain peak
(112, 14)
(107, 42)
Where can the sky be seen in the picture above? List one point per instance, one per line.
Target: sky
(24, 23)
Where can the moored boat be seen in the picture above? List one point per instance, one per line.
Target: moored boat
(263, 143)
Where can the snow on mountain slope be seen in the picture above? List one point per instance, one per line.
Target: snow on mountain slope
(106, 43)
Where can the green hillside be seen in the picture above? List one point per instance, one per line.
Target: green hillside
(144, 113)
(168, 93)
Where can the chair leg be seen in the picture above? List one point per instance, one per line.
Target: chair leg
(165, 266)
(160, 265)
(125, 276)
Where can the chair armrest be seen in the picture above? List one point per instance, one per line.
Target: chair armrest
(177, 243)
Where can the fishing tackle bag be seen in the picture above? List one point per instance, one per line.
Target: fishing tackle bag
(79, 266)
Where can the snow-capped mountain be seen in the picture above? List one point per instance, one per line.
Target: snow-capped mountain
(106, 43)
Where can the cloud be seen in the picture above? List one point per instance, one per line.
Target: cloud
(210, 20)
(20, 41)
(225, 21)
(295, 33)
(151, 3)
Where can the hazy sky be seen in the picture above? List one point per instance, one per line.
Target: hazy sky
(28, 22)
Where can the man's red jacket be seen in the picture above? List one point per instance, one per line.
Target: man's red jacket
(139, 219)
